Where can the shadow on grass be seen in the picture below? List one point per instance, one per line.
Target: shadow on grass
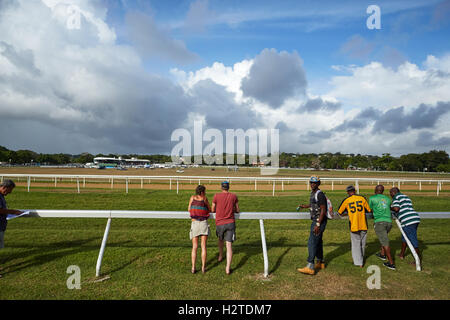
(43, 254)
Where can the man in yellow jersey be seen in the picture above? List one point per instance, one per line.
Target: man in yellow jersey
(356, 207)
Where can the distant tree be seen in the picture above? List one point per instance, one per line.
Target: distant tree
(84, 158)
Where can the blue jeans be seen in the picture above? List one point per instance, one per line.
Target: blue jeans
(411, 233)
(315, 243)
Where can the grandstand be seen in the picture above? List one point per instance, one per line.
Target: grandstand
(119, 162)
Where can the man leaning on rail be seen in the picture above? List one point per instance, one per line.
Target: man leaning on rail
(6, 187)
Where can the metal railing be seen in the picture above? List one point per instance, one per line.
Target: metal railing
(261, 216)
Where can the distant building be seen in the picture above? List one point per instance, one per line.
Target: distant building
(117, 162)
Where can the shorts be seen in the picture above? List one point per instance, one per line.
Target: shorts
(382, 229)
(199, 228)
(226, 232)
(411, 233)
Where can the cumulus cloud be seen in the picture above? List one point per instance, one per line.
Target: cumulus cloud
(385, 126)
(220, 109)
(75, 90)
(275, 77)
(396, 120)
(319, 104)
(71, 91)
(82, 88)
(431, 140)
(374, 85)
(152, 41)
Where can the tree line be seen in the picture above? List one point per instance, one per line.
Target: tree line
(432, 161)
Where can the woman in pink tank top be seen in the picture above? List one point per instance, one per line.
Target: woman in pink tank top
(199, 210)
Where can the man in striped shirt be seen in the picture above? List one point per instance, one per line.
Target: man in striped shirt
(408, 218)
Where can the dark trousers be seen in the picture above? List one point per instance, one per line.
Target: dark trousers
(315, 243)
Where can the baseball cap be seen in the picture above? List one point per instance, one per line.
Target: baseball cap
(225, 185)
(350, 188)
(314, 179)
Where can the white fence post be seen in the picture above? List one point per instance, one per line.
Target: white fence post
(264, 247)
(102, 248)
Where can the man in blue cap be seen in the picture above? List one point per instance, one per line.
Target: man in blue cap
(318, 208)
(225, 205)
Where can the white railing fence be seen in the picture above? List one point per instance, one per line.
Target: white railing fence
(261, 216)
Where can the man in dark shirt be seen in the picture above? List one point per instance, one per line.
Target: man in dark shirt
(225, 205)
(318, 209)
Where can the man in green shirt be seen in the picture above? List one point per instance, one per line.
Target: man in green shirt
(381, 208)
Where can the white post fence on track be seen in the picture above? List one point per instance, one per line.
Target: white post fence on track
(261, 216)
(356, 181)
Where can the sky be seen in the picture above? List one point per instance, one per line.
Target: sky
(121, 76)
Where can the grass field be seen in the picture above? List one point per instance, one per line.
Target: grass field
(150, 258)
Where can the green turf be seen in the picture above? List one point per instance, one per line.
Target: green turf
(150, 258)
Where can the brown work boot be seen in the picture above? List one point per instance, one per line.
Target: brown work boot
(319, 265)
(306, 270)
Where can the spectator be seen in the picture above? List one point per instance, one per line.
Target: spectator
(381, 209)
(225, 205)
(409, 219)
(318, 208)
(356, 207)
(6, 187)
(199, 210)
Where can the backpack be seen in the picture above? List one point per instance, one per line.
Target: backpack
(330, 213)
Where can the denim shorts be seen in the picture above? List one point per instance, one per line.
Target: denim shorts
(411, 233)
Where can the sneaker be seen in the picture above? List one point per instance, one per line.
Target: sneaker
(306, 270)
(389, 266)
(379, 255)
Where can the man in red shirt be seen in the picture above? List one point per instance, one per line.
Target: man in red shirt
(225, 205)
